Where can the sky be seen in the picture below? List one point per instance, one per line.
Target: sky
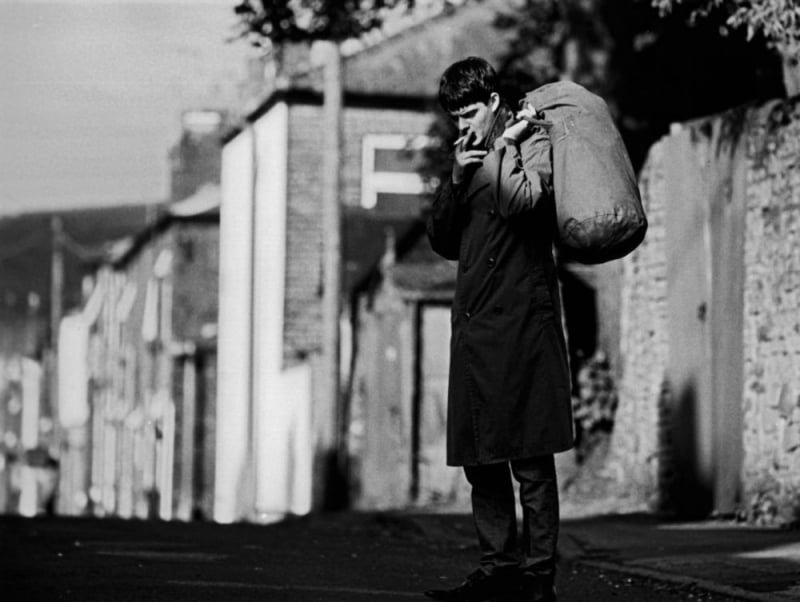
(92, 91)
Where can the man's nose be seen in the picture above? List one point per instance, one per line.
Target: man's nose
(463, 124)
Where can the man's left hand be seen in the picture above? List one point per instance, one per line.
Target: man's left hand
(521, 128)
(516, 131)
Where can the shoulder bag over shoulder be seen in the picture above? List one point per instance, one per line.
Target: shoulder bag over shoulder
(598, 205)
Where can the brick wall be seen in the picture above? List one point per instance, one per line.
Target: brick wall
(302, 308)
(642, 445)
(304, 211)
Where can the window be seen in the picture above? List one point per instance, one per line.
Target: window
(390, 182)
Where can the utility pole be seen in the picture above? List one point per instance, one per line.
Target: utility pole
(331, 240)
(56, 279)
(51, 355)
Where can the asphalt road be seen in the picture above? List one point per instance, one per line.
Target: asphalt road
(325, 558)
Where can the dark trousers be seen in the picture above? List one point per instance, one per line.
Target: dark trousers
(533, 550)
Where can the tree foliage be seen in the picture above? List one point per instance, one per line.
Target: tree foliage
(778, 21)
(650, 66)
(275, 22)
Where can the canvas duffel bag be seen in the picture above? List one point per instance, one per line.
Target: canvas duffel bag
(598, 205)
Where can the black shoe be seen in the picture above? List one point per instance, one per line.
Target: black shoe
(535, 588)
(479, 587)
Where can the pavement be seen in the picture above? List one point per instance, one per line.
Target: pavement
(725, 557)
(386, 556)
(729, 558)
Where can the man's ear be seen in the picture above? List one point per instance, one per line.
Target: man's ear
(494, 101)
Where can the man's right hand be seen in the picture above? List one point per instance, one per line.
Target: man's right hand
(464, 157)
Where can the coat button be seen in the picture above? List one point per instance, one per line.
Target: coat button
(492, 212)
(467, 315)
(491, 261)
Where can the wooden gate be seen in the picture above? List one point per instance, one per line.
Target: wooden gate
(436, 484)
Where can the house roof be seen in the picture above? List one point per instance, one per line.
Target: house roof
(364, 242)
(204, 202)
(410, 62)
(26, 250)
(419, 272)
(405, 66)
(203, 205)
(435, 279)
(405, 255)
(91, 236)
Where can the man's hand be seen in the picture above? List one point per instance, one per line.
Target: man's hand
(521, 128)
(465, 156)
(516, 131)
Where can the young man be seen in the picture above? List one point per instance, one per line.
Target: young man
(509, 407)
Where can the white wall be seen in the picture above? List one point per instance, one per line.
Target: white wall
(234, 478)
(270, 411)
(264, 438)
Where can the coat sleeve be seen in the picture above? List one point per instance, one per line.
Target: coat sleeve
(525, 175)
(446, 220)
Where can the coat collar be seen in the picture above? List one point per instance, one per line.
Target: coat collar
(501, 119)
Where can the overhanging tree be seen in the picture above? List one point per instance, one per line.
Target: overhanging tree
(278, 22)
(776, 21)
(651, 66)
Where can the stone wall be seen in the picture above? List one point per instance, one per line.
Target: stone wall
(634, 455)
(772, 317)
(643, 443)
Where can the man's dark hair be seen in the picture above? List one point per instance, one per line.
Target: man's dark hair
(466, 82)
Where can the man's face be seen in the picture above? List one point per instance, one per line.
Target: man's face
(476, 118)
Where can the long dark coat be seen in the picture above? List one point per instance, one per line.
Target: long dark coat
(509, 383)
